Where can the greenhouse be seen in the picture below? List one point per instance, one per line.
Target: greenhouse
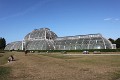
(45, 39)
(17, 45)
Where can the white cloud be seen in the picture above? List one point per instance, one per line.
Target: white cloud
(112, 19)
(107, 19)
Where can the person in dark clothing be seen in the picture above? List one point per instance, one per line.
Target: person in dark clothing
(25, 52)
(12, 57)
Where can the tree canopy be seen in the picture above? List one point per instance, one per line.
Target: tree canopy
(117, 42)
(2, 43)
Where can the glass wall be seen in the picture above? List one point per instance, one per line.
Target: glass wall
(92, 41)
(17, 45)
(44, 39)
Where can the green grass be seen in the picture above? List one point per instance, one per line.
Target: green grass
(101, 60)
(98, 62)
(4, 73)
(4, 57)
(1, 55)
(115, 75)
(103, 67)
(60, 56)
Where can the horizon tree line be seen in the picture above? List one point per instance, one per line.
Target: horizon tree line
(117, 42)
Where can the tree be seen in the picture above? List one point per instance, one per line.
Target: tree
(112, 40)
(117, 42)
(2, 43)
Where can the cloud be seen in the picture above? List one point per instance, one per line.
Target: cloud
(112, 19)
(107, 19)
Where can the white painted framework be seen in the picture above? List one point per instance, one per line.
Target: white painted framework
(44, 39)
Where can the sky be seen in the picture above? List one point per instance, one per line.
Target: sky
(64, 17)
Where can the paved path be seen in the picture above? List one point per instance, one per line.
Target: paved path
(92, 54)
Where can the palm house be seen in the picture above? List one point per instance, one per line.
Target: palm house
(45, 39)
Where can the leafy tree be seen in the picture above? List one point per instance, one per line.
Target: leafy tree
(117, 42)
(2, 43)
(112, 40)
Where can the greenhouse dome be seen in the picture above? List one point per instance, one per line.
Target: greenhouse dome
(42, 33)
(45, 39)
(39, 39)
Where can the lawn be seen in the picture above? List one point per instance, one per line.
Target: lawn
(57, 66)
(4, 71)
(106, 67)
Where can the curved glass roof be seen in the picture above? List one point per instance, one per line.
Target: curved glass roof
(44, 39)
(90, 41)
(42, 33)
(17, 45)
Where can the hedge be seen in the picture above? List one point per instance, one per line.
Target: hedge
(90, 50)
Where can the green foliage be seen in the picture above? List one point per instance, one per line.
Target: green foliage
(65, 51)
(2, 43)
(117, 42)
(112, 40)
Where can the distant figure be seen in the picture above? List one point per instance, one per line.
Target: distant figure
(25, 52)
(11, 58)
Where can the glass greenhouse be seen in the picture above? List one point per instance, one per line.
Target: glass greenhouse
(17, 45)
(44, 39)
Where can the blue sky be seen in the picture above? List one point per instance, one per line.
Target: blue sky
(64, 17)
